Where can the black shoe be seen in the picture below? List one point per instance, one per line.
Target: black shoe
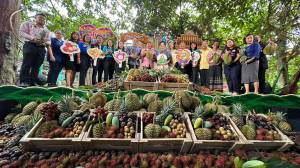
(39, 83)
(24, 85)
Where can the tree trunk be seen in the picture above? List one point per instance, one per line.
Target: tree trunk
(292, 88)
(8, 41)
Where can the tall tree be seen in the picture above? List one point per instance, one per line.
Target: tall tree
(8, 41)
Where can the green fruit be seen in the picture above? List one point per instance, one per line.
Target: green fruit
(9, 117)
(115, 122)
(63, 116)
(98, 130)
(166, 128)
(207, 124)
(150, 97)
(270, 49)
(203, 133)
(67, 105)
(67, 122)
(14, 120)
(254, 164)
(155, 106)
(183, 99)
(39, 108)
(99, 99)
(227, 59)
(222, 109)
(87, 106)
(45, 128)
(197, 123)
(113, 105)
(22, 121)
(249, 132)
(168, 119)
(210, 109)
(29, 108)
(285, 126)
(109, 118)
(152, 131)
(132, 102)
(195, 102)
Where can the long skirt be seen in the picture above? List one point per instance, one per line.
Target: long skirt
(215, 77)
(250, 72)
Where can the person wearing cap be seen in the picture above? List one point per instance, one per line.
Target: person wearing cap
(56, 61)
(37, 38)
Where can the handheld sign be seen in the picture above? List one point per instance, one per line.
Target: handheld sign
(183, 57)
(120, 57)
(95, 53)
(70, 48)
(162, 59)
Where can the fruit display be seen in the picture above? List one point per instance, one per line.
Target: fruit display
(141, 75)
(257, 127)
(211, 126)
(278, 119)
(119, 124)
(227, 59)
(175, 78)
(61, 119)
(111, 85)
(166, 124)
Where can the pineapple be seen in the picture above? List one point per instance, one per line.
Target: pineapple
(249, 129)
(67, 105)
(29, 108)
(98, 130)
(63, 116)
(285, 126)
(237, 115)
(203, 133)
(152, 131)
(22, 121)
(167, 109)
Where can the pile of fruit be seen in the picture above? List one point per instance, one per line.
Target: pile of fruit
(209, 125)
(62, 119)
(175, 78)
(141, 75)
(205, 159)
(168, 123)
(111, 85)
(254, 126)
(120, 124)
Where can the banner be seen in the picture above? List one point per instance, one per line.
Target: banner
(93, 31)
(134, 36)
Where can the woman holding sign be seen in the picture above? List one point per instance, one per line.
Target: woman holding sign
(164, 57)
(183, 58)
(120, 58)
(99, 67)
(195, 62)
(109, 63)
(85, 60)
(148, 56)
(73, 62)
(215, 68)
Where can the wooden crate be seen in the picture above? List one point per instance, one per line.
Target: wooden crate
(280, 145)
(179, 145)
(30, 143)
(175, 86)
(199, 145)
(152, 86)
(131, 145)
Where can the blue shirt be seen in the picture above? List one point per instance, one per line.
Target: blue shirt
(55, 45)
(108, 51)
(83, 47)
(253, 50)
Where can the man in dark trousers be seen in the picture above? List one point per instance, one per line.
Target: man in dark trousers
(263, 66)
(36, 37)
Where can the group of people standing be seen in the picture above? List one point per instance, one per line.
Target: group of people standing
(204, 71)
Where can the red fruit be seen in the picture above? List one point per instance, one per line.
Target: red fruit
(259, 137)
(269, 137)
(172, 135)
(297, 159)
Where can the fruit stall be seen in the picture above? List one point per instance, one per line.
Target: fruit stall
(115, 127)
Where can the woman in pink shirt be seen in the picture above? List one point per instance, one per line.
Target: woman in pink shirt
(148, 56)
